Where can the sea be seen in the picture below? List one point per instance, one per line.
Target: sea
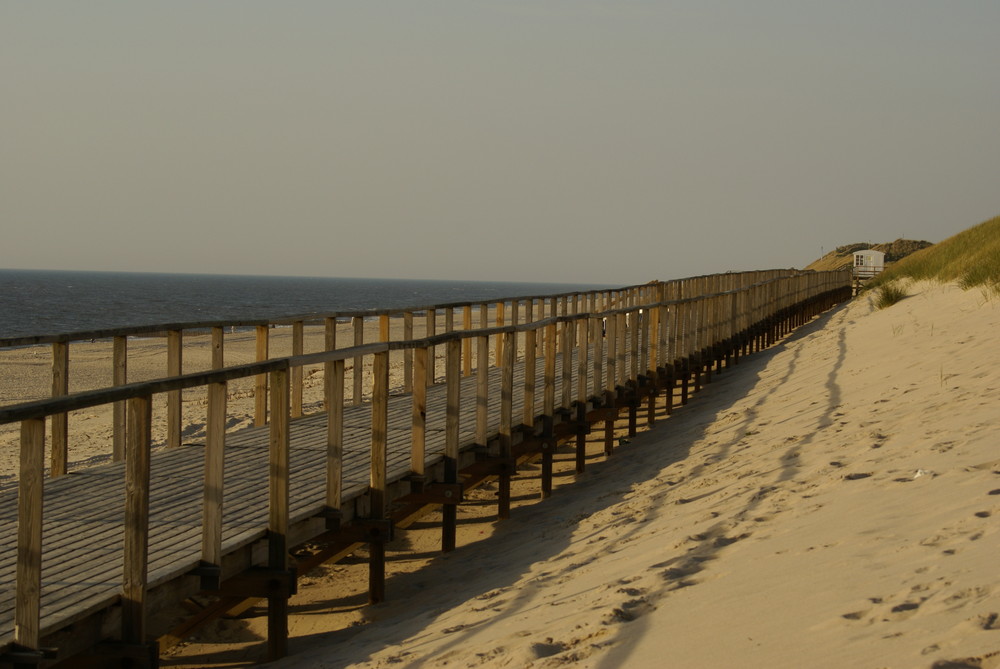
(46, 302)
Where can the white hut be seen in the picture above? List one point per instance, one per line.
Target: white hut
(868, 263)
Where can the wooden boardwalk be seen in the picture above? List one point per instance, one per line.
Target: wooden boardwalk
(84, 510)
(607, 364)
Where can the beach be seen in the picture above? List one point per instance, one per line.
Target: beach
(831, 502)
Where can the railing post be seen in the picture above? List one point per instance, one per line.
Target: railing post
(28, 582)
(119, 363)
(277, 534)
(215, 440)
(408, 352)
(482, 388)
(359, 338)
(136, 554)
(298, 346)
(430, 331)
(418, 419)
(60, 422)
(334, 393)
(378, 492)
(175, 398)
(449, 512)
(260, 383)
(506, 424)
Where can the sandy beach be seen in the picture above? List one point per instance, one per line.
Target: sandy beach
(832, 502)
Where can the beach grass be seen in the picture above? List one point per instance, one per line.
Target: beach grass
(971, 258)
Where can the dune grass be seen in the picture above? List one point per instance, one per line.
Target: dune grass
(888, 294)
(971, 258)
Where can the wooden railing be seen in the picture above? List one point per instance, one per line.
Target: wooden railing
(615, 339)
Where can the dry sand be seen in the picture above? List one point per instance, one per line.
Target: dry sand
(832, 502)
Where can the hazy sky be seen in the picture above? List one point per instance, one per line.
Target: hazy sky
(562, 140)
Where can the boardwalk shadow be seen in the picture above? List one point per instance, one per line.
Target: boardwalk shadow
(486, 571)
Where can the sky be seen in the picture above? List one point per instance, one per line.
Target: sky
(576, 141)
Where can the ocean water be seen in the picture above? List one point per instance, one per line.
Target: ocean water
(42, 302)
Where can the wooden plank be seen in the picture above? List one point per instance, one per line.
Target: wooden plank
(119, 374)
(29, 535)
(298, 343)
(334, 392)
(418, 414)
(60, 422)
(378, 496)
(260, 385)
(175, 398)
(215, 437)
(359, 338)
(278, 511)
(453, 388)
(136, 552)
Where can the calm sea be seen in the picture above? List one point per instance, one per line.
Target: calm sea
(35, 302)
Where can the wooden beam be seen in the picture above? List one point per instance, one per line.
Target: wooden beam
(418, 415)
(119, 356)
(298, 347)
(215, 440)
(378, 485)
(260, 385)
(334, 393)
(451, 444)
(175, 399)
(60, 422)
(28, 582)
(277, 526)
(137, 452)
(359, 338)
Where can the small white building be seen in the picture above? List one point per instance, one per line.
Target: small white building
(868, 263)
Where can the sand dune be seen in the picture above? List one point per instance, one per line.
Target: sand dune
(833, 502)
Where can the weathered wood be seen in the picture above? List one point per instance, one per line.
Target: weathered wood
(378, 495)
(451, 447)
(334, 391)
(278, 511)
(27, 606)
(430, 331)
(419, 411)
(408, 352)
(215, 439)
(528, 413)
(298, 344)
(60, 422)
(136, 554)
(260, 383)
(175, 399)
(467, 341)
(482, 388)
(119, 375)
(218, 347)
(506, 422)
(359, 362)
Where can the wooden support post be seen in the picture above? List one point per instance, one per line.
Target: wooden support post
(298, 347)
(506, 423)
(60, 422)
(175, 398)
(419, 412)
(482, 388)
(567, 364)
(359, 363)
(453, 379)
(467, 341)
(378, 490)
(431, 353)
(28, 581)
(218, 347)
(549, 407)
(119, 356)
(211, 521)
(408, 352)
(530, 367)
(610, 396)
(277, 527)
(260, 382)
(334, 392)
(136, 546)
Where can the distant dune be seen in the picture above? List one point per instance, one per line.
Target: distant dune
(842, 256)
